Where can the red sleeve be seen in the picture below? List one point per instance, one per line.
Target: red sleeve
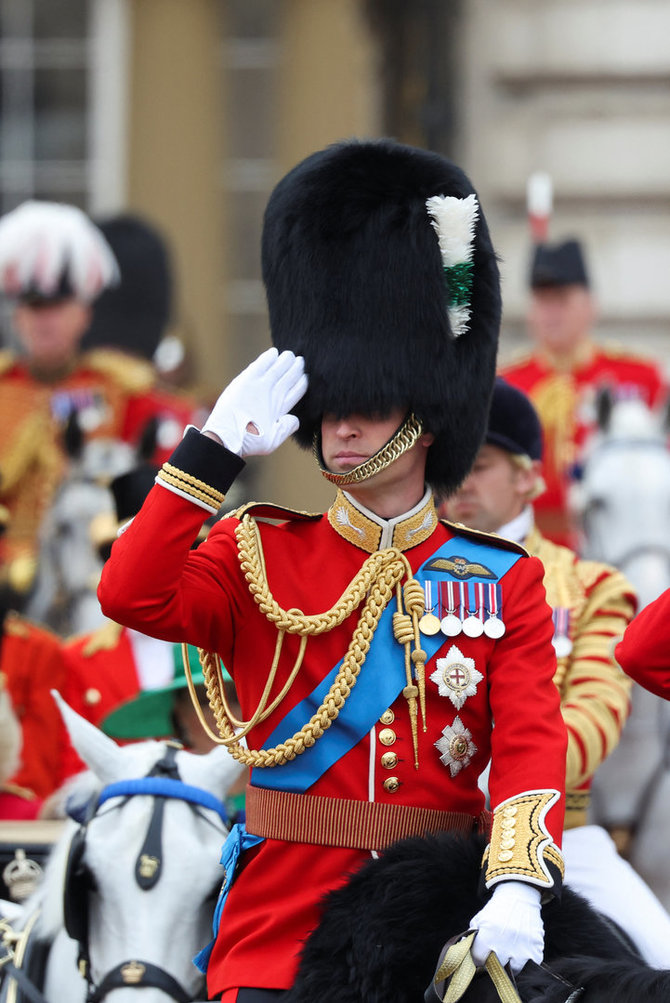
(644, 651)
(529, 740)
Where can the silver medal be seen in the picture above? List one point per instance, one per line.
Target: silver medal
(451, 625)
(494, 627)
(473, 626)
(562, 646)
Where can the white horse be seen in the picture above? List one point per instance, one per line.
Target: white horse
(68, 565)
(131, 889)
(623, 500)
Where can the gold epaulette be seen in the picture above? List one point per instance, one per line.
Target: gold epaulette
(21, 792)
(266, 510)
(479, 536)
(7, 360)
(131, 373)
(19, 626)
(104, 638)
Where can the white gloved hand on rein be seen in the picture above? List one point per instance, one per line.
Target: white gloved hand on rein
(251, 417)
(510, 924)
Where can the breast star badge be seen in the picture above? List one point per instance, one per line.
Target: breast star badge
(456, 676)
(456, 747)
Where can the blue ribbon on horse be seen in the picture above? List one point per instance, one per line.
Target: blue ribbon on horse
(238, 840)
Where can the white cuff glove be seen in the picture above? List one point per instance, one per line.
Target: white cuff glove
(511, 925)
(251, 416)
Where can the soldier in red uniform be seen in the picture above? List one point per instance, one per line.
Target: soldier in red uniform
(31, 664)
(112, 664)
(565, 371)
(53, 264)
(364, 722)
(592, 604)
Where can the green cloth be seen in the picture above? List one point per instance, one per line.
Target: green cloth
(149, 713)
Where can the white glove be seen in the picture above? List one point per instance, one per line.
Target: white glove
(251, 416)
(511, 925)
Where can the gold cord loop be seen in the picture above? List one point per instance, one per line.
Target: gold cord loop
(372, 588)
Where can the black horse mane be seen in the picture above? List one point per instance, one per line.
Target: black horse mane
(382, 932)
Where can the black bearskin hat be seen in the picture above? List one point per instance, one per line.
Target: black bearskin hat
(133, 316)
(356, 283)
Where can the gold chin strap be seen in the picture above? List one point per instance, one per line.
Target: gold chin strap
(403, 439)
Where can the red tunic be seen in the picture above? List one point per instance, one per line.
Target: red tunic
(565, 401)
(202, 597)
(644, 651)
(101, 674)
(32, 661)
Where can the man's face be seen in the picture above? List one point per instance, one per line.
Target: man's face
(50, 331)
(348, 442)
(494, 492)
(560, 317)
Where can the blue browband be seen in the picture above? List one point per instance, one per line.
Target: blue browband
(167, 788)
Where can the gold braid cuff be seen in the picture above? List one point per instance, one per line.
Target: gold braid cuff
(403, 439)
(189, 485)
(521, 846)
(373, 586)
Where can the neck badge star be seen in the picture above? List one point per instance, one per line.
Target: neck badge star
(456, 676)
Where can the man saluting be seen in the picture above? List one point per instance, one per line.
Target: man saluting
(368, 715)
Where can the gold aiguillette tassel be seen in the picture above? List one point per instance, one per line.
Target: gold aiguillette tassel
(410, 694)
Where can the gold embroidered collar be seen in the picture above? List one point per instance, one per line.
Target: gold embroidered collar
(368, 531)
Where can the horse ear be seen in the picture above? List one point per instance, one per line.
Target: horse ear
(100, 753)
(604, 406)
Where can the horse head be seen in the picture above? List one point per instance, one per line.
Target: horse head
(622, 496)
(140, 865)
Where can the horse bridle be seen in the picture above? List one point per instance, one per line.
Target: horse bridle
(162, 782)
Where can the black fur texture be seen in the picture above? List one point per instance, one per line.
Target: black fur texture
(381, 935)
(355, 284)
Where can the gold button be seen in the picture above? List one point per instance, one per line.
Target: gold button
(387, 717)
(387, 736)
(391, 785)
(510, 810)
(507, 844)
(92, 696)
(508, 823)
(505, 855)
(389, 760)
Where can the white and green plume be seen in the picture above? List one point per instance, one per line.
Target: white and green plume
(454, 221)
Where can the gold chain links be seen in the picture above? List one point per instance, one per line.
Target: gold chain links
(375, 583)
(405, 437)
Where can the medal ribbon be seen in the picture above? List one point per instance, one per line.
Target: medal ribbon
(561, 618)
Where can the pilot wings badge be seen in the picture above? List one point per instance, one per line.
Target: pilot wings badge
(460, 567)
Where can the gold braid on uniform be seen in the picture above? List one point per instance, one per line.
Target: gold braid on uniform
(379, 577)
(403, 439)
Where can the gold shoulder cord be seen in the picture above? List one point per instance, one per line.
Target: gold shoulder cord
(375, 583)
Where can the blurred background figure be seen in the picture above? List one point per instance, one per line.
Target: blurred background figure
(54, 264)
(592, 604)
(168, 712)
(32, 736)
(109, 665)
(565, 371)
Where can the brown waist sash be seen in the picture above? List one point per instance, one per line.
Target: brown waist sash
(358, 825)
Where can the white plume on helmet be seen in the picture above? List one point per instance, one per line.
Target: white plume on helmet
(41, 242)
